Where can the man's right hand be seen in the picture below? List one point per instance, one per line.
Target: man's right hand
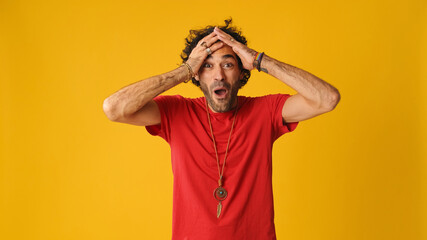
(200, 52)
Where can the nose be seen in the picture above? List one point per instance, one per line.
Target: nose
(218, 73)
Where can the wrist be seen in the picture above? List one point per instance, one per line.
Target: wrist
(257, 60)
(190, 73)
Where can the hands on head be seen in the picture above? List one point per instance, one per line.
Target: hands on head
(215, 41)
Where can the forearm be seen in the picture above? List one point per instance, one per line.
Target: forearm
(312, 88)
(132, 98)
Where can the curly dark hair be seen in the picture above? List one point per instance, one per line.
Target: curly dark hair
(196, 35)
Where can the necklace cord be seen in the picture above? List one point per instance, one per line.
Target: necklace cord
(220, 173)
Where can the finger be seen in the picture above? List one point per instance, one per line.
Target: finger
(216, 46)
(227, 39)
(199, 53)
(211, 41)
(211, 46)
(207, 38)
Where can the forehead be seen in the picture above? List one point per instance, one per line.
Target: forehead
(222, 53)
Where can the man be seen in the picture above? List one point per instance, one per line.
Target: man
(221, 145)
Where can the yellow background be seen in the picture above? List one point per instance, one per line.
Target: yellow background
(67, 172)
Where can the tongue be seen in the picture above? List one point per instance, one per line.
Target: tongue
(220, 92)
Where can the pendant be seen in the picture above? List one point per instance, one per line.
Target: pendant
(220, 195)
(218, 209)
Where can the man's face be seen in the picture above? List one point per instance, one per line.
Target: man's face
(219, 79)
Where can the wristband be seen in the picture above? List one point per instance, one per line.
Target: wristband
(257, 61)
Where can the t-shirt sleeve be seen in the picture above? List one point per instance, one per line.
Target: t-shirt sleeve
(280, 127)
(167, 106)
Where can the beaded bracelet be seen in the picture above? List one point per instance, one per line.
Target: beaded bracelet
(190, 72)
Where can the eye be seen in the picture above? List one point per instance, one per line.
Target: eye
(207, 65)
(228, 65)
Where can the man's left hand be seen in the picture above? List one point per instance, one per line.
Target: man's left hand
(246, 54)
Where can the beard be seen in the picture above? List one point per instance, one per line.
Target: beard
(224, 104)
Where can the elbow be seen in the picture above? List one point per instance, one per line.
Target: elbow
(109, 111)
(332, 100)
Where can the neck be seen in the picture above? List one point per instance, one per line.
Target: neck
(232, 107)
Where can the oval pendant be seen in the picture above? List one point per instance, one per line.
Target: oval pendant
(220, 194)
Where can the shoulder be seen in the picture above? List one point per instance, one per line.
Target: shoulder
(267, 106)
(178, 98)
(168, 100)
(178, 103)
(266, 100)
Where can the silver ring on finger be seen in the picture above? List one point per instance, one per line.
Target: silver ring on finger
(209, 51)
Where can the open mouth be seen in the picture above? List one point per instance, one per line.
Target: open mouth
(220, 92)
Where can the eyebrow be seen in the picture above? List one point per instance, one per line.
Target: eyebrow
(223, 57)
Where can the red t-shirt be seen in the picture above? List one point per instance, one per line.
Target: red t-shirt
(248, 211)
